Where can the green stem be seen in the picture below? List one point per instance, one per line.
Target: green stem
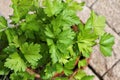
(3, 29)
(5, 77)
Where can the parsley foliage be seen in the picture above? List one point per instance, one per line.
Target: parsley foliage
(48, 41)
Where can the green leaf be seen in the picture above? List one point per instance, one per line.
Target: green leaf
(3, 70)
(59, 68)
(16, 16)
(54, 53)
(74, 5)
(10, 49)
(70, 48)
(16, 41)
(61, 78)
(59, 44)
(30, 17)
(50, 42)
(29, 34)
(52, 7)
(50, 70)
(67, 18)
(70, 64)
(22, 75)
(15, 62)
(107, 39)
(66, 36)
(63, 58)
(80, 74)
(31, 53)
(82, 63)
(9, 35)
(97, 23)
(86, 40)
(67, 71)
(45, 54)
(106, 43)
(31, 23)
(49, 32)
(88, 78)
(3, 22)
(3, 25)
(65, 39)
(85, 49)
(68, 1)
(32, 26)
(21, 8)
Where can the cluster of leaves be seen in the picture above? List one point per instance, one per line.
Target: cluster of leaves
(42, 37)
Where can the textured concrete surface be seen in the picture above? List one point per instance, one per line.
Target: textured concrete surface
(107, 67)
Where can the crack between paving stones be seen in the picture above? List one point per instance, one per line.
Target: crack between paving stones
(119, 33)
(112, 28)
(96, 73)
(114, 54)
(93, 4)
(111, 68)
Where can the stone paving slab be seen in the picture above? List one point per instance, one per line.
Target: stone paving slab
(84, 14)
(5, 9)
(114, 73)
(110, 9)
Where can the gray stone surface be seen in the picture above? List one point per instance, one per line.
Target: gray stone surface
(5, 9)
(110, 9)
(84, 14)
(114, 73)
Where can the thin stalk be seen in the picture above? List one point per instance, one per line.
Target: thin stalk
(31, 72)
